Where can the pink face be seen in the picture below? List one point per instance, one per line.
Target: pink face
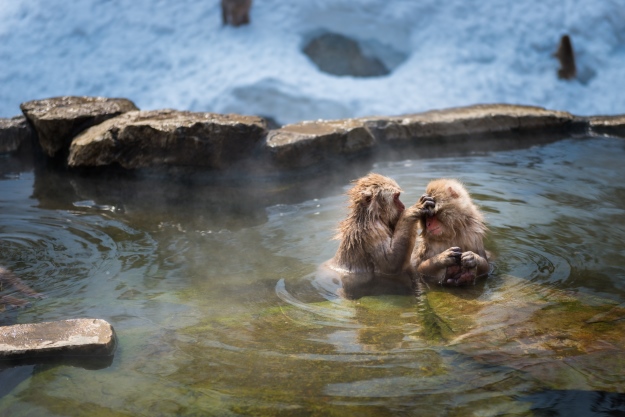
(434, 226)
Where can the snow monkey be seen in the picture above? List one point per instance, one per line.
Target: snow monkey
(9, 280)
(236, 12)
(451, 248)
(566, 56)
(376, 239)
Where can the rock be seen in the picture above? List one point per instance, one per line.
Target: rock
(307, 143)
(608, 125)
(57, 120)
(15, 133)
(76, 337)
(470, 121)
(339, 55)
(168, 138)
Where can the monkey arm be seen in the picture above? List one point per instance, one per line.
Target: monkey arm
(482, 265)
(396, 250)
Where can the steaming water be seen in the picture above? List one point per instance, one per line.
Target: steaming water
(217, 312)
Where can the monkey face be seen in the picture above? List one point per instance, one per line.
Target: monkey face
(452, 208)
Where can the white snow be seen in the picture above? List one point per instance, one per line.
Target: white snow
(176, 54)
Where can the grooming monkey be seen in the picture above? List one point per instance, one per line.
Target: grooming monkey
(451, 247)
(377, 239)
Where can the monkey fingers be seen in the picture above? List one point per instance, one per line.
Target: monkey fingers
(426, 204)
(468, 260)
(450, 256)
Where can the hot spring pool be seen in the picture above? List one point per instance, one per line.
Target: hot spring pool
(214, 301)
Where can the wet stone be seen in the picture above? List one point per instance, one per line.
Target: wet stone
(608, 125)
(74, 337)
(57, 120)
(307, 143)
(470, 121)
(142, 139)
(15, 133)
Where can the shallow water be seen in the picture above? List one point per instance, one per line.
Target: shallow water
(214, 301)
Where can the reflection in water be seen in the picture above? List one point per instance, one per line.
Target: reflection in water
(212, 292)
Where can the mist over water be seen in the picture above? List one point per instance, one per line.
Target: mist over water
(213, 297)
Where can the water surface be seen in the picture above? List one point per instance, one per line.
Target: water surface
(212, 293)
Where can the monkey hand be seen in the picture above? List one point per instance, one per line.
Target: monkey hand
(467, 273)
(449, 257)
(468, 260)
(426, 205)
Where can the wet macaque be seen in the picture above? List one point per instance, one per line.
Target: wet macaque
(450, 249)
(377, 239)
(8, 280)
(566, 56)
(236, 12)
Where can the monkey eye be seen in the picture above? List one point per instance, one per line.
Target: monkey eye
(396, 196)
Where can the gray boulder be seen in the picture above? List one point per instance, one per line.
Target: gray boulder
(15, 133)
(339, 55)
(470, 121)
(307, 143)
(141, 139)
(608, 125)
(57, 120)
(76, 337)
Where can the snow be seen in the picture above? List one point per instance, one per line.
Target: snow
(177, 54)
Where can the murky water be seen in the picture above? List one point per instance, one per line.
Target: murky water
(212, 293)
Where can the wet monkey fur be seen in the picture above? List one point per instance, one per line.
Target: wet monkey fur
(450, 250)
(377, 239)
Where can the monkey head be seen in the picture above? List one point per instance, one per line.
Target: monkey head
(376, 197)
(453, 212)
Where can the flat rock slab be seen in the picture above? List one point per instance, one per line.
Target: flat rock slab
(141, 139)
(57, 120)
(75, 337)
(15, 133)
(486, 119)
(303, 144)
(608, 125)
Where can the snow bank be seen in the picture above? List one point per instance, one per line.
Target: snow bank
(176, 54)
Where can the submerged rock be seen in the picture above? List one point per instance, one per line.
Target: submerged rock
(556, 336)
(57, 120)
(141, 139)
(307, 143)
(15, 133)
(76, 337)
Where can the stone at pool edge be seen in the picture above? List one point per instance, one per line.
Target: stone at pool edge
(58, 119)
(15, 134)
(307, 143)
(479, 119)
(608, 125)
(140, 139)
(73, 337)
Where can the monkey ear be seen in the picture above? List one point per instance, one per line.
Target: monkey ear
(366, 201)
(453, 193)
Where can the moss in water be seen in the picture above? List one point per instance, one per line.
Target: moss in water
(434, 328)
